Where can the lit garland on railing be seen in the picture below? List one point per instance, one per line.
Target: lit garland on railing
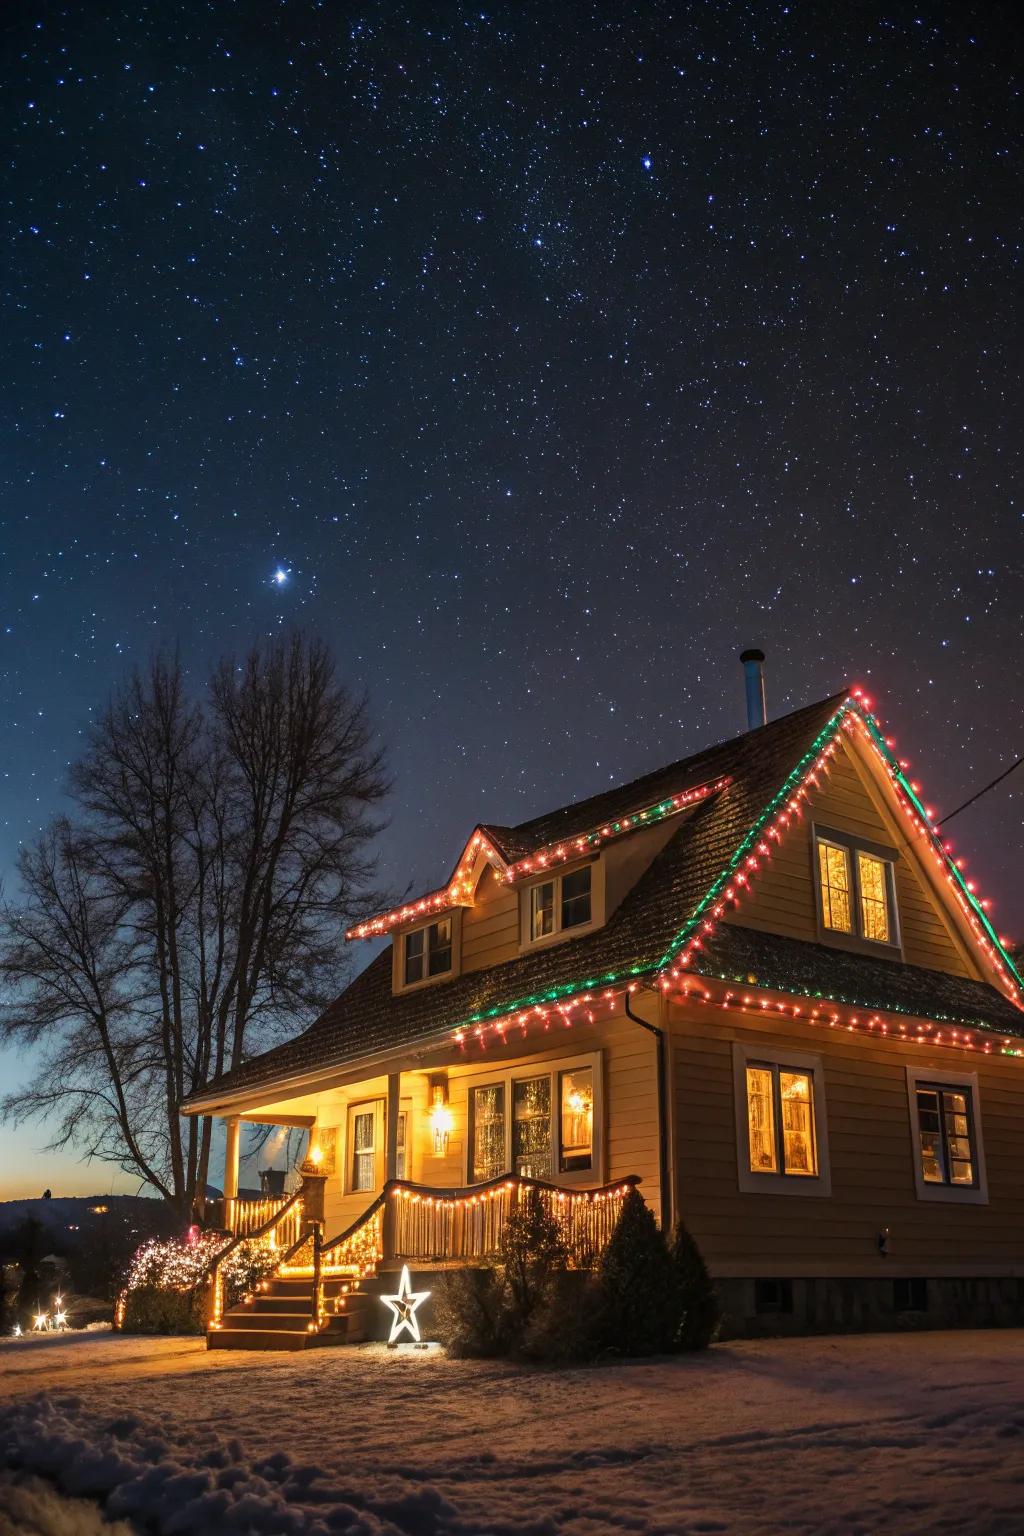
(787, 805)
(459, 890)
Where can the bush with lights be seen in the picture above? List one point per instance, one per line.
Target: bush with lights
(165, 1289)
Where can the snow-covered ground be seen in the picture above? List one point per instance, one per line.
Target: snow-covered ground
(905, 1433)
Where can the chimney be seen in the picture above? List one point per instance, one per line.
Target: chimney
(753, 666)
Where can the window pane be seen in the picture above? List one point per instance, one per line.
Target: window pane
(542, 910)
(576, 898)
(531, 1127)
(363, 1150)
(960, 1153)
(929, 1126)
(440, 947)
(761, 1120)
(576, 1119)
(403, 1126)
(874, 902)
(414, 956)
(798, 1149)
(488, 1132)
(834, 874)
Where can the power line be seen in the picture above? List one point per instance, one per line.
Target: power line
(1004, 775)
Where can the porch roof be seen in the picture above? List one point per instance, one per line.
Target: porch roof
(367, 1020)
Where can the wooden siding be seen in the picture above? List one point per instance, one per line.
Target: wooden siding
(783, 898)
(490, 927)
(871, 1155)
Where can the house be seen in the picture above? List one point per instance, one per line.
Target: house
(755, 980)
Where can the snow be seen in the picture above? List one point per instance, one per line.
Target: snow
(906, 1433)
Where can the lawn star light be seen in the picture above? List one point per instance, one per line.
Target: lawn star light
(403, 1307)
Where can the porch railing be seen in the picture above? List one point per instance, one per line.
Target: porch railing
(242, 1218)
(280, 1233)
(462, 1226)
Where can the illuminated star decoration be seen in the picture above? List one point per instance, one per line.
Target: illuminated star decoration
(403, 1306)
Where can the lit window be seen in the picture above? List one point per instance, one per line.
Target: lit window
(834, 866)
(576, 1133)
(531, 1127)
(946, 1136)
(362, 1132)
(874, 906)
(856, 889)
(780, 1121)
(488, 1133)
(428, 951)
(539, 1124)
(563, 902)
(400, 1145)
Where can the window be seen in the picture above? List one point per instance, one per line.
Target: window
(401, 1142)
(531, 1127)
(576, 1119)
(773, 1298)
(539, 1124)
(856, 889)
(910, 1295)
(487, 1112)
(363, 1147)
(428, 951)
(780, 1119)
(563, 902)
(945, 1119)
(782, 1143)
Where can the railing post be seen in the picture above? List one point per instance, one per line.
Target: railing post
(316, 1303)
(389, 1223)
(314, 1188)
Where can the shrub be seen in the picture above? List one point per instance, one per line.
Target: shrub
(567, 1327)
(150, 1309)
(532, 1251)
(700, 1311)
(470, 1314)
(639, 1298)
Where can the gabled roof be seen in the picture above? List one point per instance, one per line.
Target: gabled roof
(664, 922)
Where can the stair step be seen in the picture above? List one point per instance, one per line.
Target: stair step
(279, 1322)
(251, 1338)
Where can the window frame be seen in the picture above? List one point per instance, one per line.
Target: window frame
(398, 981)
(552, 1068)
(555, 877)
(855, 939)
(749, 1053)
(362, 1107)
(967, 1084)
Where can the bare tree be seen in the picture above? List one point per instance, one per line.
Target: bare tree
(190, 909)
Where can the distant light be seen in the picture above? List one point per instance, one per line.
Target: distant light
(280, 576)
(646, 162)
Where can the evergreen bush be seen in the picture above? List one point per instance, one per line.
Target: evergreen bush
(154, 1309)
(700, 1311)
(640, 1305)
(470, 1314)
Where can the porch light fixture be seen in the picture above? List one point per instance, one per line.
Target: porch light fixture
(440, 1118)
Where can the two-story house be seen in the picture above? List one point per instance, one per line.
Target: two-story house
(755, 979)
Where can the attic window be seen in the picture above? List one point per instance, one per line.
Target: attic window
(856, 889)
(428, 951)
(563, 902)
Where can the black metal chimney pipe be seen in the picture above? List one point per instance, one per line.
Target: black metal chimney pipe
(753, 666)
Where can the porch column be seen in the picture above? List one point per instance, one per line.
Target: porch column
(391, 1133)
(391, 1161)
(232, 1129)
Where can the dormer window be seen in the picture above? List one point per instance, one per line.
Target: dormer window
(856, 890)
(428, 952)
(556, 905)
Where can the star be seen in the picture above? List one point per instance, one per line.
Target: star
(403, 1305)
(280, 576)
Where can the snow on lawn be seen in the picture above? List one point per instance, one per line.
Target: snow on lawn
(911, 1433)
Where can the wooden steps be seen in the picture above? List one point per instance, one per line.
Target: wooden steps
(279, 1316)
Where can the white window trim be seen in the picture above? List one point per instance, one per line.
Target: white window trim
(562, 935)
(552, 1068)
(751, 1183)
(362, 1107)
(855, 940)
(957, 1194)
(398, 981)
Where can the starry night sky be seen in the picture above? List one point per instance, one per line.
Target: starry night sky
(551, 355)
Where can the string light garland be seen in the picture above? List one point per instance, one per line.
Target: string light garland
(459, 890)
(733, 883)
